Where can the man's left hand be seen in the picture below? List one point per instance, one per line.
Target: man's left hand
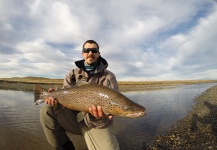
(97, 112)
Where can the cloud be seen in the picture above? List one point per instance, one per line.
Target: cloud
(194, 52)
(142, 40)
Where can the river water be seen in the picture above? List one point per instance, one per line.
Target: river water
(20, 128)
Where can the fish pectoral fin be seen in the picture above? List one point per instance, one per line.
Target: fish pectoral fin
(55, 88)
(80, 116)
(106, 113)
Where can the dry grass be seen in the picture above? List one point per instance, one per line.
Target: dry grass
(39, 80)
(153, 85)
(59, 81)
(174, 82)
(26, 83)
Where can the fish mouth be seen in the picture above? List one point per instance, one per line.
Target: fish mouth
(136, 115)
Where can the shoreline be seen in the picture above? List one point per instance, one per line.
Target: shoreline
(27, 83)
(198, 130)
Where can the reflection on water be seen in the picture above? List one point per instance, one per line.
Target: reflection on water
(20, 127)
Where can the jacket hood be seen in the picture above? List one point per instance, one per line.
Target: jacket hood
(102, 64)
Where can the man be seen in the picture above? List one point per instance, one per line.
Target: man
(98, 131)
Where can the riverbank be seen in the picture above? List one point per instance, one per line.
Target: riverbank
(26, 84)
(198, 130)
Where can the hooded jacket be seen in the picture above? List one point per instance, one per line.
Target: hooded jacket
(99, 75)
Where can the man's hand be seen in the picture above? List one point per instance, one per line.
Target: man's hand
(51, 101)
(97, 112)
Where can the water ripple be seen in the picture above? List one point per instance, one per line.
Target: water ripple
(20, 125)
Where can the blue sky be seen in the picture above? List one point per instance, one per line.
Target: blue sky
(140, 39)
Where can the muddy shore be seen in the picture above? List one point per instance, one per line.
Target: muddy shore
(198, 130)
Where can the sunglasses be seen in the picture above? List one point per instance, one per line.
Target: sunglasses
(93, 50)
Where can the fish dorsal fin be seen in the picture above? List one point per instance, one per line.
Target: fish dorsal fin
(80, 83)
(55, 88)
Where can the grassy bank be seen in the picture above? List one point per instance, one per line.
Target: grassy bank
(26, 83)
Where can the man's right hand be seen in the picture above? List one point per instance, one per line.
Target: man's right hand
(51, 100)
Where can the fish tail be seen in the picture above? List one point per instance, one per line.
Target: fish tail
(38, 94)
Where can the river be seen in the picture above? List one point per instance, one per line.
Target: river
(20, 127)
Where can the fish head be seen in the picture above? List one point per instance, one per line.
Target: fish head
(126, 108)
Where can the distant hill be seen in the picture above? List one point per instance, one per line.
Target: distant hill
(30, 79)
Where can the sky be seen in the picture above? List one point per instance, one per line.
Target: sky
(142, 40)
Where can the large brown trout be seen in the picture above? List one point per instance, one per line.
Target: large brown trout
(81, 97)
